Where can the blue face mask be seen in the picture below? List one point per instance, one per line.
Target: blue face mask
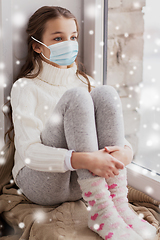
(62, 53)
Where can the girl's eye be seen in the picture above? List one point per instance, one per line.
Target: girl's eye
(58, 39)
(73, 38)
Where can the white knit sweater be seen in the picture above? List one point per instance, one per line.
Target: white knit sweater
(33, 101)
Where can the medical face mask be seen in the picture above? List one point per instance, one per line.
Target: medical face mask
(63, 53)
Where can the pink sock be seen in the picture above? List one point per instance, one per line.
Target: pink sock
(103, 217)
(118, 189)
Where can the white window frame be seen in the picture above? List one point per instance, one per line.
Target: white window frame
(93, 46)
(144, 180)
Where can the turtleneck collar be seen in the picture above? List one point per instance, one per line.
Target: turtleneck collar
(57, 76)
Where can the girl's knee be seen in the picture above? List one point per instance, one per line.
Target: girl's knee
(106, 95)
(105, 90)
(78, 95)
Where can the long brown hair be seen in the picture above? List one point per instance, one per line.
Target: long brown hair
(36, 28)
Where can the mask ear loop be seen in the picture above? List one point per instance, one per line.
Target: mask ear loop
(39, 42)
(42, 44)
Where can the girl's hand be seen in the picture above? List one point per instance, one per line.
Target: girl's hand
(104, 164)
(125, 155)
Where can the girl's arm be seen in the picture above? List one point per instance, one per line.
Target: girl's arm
(28, 127)
(100, 163)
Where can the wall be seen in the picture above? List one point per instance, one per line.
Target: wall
(1, 89)
(125, 59)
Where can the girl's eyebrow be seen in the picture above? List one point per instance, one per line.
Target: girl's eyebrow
(60, 32)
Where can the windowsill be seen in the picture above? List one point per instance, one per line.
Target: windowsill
(144, 180)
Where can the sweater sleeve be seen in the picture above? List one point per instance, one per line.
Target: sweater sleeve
(27, 128)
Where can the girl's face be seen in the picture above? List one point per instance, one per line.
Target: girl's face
(57, 30)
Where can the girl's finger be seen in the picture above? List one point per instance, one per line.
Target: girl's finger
(92, 173)
(111, 174)
(107, 149)
(116, 172)
(119, 165)
(112, 149)
(107, 176)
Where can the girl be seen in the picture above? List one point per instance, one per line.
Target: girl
(62, 131)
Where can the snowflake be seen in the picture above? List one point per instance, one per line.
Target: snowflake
(39, 216)
(149, 143)
(101, 44)
(126, 35)
(91, 32)
(141, 215)
(157, 41)
(149, 190)
(2, 65)
(147, 234)
(21, 225)
(46, 107)
(27, 160)
(19, 191)
(55, 119)
(96, 226)
(155, 126)
(3, 80)
(88, 208)
(19, 19)
(17, 62)
(2, 161)
(145, 125)
(8, 98)
(91, 11)
(5, 109)
(136, 5)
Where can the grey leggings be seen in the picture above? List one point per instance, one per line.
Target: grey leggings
(87, 122)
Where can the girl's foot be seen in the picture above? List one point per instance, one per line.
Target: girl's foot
(103, 217)
(118, 189)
